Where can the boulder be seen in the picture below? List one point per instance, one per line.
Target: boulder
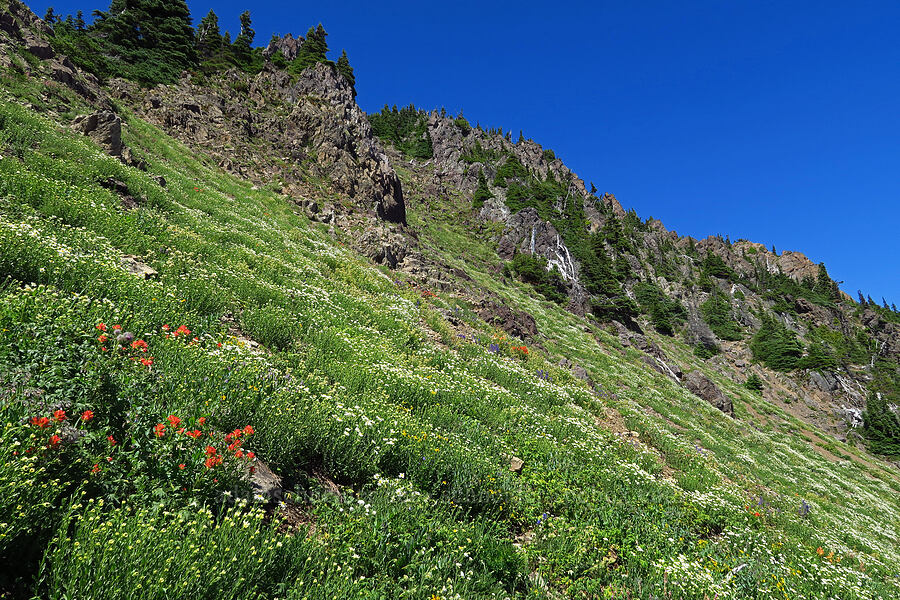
(701, 386)
(103, 127)
(516, 323)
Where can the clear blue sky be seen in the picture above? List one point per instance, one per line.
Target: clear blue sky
(772, 121)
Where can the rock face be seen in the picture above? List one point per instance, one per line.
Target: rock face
(700, 385)
(526, 232)
(287, 45)
(272, 128)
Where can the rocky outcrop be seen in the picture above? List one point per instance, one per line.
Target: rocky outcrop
(288, 46)
(514, 322)
(526, 232)
(103, 127)
(272, 128)
(701, 386)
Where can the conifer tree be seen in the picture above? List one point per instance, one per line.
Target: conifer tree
(50, 16)
(153, 37)
(314, 49)
(79, 21)
(209, 40)
(244, 41)
(483, 193)
(344, 68)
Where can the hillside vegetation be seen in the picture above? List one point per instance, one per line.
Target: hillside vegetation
(209, 390)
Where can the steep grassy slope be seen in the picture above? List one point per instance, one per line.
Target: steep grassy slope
(391, 423)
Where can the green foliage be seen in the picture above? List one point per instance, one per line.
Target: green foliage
(462, 124)
(665, 314)
(705, 352)
(718, 315)
(776, 346)
(754, 383)
(483, 193)
(714, 266)
(818, 358)
(406, 129)
(549, 155)
(209, 39)
(533, 270)
(313, 50)
(511, 169)
(344, 68)
(881, 425)
(151, 41)
(478, 154)
(243, 43)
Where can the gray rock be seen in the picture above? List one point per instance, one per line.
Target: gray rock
(287, 45)
(824, 381)
(526, 232)
(700, 385)
(105, 128)
(133, 265)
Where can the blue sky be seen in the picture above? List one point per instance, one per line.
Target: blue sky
(772, 121)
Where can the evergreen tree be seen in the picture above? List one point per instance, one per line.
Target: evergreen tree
(314, 49)
(824, 285)
(862, 299)
(50, 16)
(243, 43)
(79, 21)
(881, 426)
(209, 40)
(754, 383)
(344, 68)
(776, 345)
(154, 38)
(483, 193)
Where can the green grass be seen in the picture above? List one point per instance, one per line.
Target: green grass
(348, 386)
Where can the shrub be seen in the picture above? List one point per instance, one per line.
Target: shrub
(754, 383)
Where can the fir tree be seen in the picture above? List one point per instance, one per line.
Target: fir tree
(244, 41)
(483, 193)
(154, 38)
(881, 426)
(50, 16)
(344, 68)
(313, 50)
(209, 40)
(79, 21)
